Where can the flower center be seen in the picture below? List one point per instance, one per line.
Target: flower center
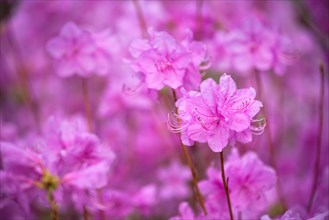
(49, 182)
(209, 122)
(164, 65)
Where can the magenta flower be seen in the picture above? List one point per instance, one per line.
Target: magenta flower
(78, 161)
(217, 114)
(80, 52)
(174, 181)
(185, 212)
(249, 180)
(163, 61)
(253, 47)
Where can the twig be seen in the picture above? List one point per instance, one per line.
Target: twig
(225, 185)
(319, 142)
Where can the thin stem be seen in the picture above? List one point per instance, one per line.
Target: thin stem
(86, 103)
(194, 179)
(53, 206)
(199, 19)
(100, 199)
(270, 141)
(193, 171)
(305, 18)
(225, 185)
(141, 18)
(319, 142)
(90, 128)
(23, 77)
(85, 213)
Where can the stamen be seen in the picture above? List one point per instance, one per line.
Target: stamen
(174, 123)
(257, 126)
(131, 91)
(200, 113)
(204, 122)
(243, 106)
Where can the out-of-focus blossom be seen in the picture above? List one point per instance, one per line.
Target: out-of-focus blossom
(130, 90)
(216, 113)
(80, 52)
(174, 181)
(163, 61)
(78, 162)
(185, 212)
(288, 215)
(145, 198)
(254, 47)
(248, 179)
(119, 96)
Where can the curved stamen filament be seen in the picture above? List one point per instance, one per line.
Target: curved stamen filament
(131, 91)
(173, 123)
(257, 126)
(243, 106)
(201, 113)
(207, 122)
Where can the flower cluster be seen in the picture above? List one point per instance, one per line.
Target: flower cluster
(80, 52)
(217, 114)
(182, 110)
(163, 61)
(68, 162)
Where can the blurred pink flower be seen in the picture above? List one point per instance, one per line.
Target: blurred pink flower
(163, 61)
(248, 180)
(185, 212)
(174, 181)
(80, 52)
(77, 161)
(254, 47)
(216, 113)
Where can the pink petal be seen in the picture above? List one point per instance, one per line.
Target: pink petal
(227, 85)
(92, 177)
(57, 47)
(139, 46)
(155, 80)
(70, 30)
(244, 136)
(263, 59)
(208, 90)
(243, 63)
(218, 141)
(173, 79)
(182, 60)
(240, 122)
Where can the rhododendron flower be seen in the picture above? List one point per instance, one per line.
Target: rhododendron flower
(288, 215)
(216, 113)
(174, 181)
(163, 61)
(254, 47)
(249, 180)
(113, 70)
(185, 212)
(78, 162)
(80, 52)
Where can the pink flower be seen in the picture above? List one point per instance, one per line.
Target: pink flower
(248, 180)
(163, 61)
(80, 52)
(67, 159)
(145, 198)
(253, 47)
(174, 180)
(216, 114)
(185, 212)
